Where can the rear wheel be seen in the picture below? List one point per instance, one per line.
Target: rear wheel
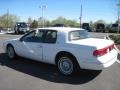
(11, 52)
(67, 65)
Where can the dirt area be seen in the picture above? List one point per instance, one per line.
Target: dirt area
(118, 47)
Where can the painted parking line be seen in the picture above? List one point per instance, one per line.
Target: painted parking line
(2, 33)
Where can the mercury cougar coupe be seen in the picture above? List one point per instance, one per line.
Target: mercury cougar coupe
(70, 49)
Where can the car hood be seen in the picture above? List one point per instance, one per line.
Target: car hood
(13, 40)
(94, 42)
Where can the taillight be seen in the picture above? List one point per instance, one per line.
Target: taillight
(100, 52)
(103, 51)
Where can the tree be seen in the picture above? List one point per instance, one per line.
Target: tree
(99, 21)
(47, 23)
(59, 20)
(91, 24)
(29, 21)
(40, 22)
(71, 23)
(34, 24)
(8, 20)
(117, 21)
(66, 22)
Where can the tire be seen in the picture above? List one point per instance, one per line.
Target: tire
(97, 31)
(11, 52)
(67, 65)
(110, 31)
(16, 32)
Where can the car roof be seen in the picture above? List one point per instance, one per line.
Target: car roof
(62, 29)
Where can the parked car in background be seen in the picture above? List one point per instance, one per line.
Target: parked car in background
(21, 27)
(58, 25)
(100, 27)
(114, 28)
(68, 48)
(86, 26)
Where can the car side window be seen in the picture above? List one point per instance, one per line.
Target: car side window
(36, 36)
(50, 36)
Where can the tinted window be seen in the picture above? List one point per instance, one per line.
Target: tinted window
(34, 37)
(43, 36)
(85, 26)
(50, 36)
(79, 34)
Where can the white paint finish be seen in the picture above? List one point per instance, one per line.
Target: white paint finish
(30, 50)
(93, 42)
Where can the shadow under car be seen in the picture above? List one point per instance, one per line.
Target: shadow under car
(46, 71)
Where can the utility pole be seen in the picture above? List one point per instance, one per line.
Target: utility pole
(80, 16)
(118, 5)
(7, 19)
(42, 8)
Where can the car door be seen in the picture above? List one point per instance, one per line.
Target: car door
(49, 46)
(31, 45)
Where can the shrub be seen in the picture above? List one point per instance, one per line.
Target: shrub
(116, 38)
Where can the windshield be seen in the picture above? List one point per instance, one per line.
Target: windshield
(114, 25)
(22, 25)
(99, 26)
(78, 34)
(85, 25)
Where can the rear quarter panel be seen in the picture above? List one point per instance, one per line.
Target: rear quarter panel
(81, 52)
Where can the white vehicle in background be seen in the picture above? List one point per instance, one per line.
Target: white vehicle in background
(114, 28)
(21, 28)
(68, 48)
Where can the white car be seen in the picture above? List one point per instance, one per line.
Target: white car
(68, 48)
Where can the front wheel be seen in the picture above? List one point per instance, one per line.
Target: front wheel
(11, 52)
(66, 65)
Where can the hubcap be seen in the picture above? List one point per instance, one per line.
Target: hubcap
(10, 52)
(65, 65)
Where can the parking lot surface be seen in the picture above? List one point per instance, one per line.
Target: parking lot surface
(24, 74)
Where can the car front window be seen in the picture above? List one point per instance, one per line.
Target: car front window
(78, 34)
(34, 36)
(41, 36)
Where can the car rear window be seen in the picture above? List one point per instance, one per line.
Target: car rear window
(78, 34)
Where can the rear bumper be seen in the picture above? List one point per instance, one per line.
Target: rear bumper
(114, 29)
(100, 63)
(97, 66)
(23, 31)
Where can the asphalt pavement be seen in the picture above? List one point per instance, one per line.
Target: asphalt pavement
(25, 74)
